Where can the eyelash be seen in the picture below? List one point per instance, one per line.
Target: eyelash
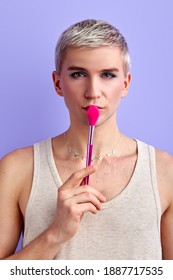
(108, 75)
(78, 74)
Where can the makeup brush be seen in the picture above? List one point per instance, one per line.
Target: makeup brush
(92, 115)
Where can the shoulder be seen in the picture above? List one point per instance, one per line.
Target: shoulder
(14, 160)
(164, 167)
(16, 168)
(164, 163)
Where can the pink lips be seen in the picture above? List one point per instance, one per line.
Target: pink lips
(86, 108)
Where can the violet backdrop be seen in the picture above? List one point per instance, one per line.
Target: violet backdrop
(30, 110)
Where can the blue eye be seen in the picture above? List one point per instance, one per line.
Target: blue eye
(78, 74)
(108, 75)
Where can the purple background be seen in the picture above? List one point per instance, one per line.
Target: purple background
(31, 111)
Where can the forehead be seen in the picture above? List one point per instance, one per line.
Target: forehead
(101, 57)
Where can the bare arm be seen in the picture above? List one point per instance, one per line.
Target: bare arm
(73, 201)
(165, 181)
(167, 233)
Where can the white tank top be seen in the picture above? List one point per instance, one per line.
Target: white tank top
(127, 228)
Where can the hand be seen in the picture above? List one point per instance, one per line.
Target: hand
(73, 201)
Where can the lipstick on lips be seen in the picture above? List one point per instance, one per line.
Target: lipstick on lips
(92, 115)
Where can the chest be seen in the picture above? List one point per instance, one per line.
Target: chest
(111, 177)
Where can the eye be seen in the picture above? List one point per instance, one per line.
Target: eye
(108, 75)
(78, 74)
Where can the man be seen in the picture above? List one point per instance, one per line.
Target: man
(126, 211)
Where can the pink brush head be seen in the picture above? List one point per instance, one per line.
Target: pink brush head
(92, 114)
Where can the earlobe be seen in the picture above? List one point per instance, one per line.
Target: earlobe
(124, 94)
(56, 81)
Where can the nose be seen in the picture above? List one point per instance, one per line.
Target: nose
(92, 90)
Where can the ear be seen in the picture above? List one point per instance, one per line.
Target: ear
(127, 80)
(56, 81)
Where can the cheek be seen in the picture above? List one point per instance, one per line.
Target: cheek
(70, 88)
(119, 86)
(114, 96)
(115, 92)
(70, 98)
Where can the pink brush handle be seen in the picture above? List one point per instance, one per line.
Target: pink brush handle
(88, 160)
(89, 151)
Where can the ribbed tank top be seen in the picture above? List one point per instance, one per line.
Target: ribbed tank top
(128, 226)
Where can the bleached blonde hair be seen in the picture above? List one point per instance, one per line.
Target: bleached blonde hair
(91, 33)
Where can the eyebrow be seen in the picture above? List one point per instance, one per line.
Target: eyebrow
(76, 68)
(83, 69)
(111, 70)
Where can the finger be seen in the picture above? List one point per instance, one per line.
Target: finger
(89, 190)
(76, 178)
(83, 198)
(69, 193)
(87, 207)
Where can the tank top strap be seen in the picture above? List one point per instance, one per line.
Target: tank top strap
(148, 161)
(152, 160)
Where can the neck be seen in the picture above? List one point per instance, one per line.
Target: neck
(104, 141)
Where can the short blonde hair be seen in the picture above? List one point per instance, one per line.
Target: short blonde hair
(91, 33)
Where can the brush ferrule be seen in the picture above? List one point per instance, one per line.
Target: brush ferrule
(90, 145)
(91, 135)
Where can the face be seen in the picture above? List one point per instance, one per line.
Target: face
(92, 76)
